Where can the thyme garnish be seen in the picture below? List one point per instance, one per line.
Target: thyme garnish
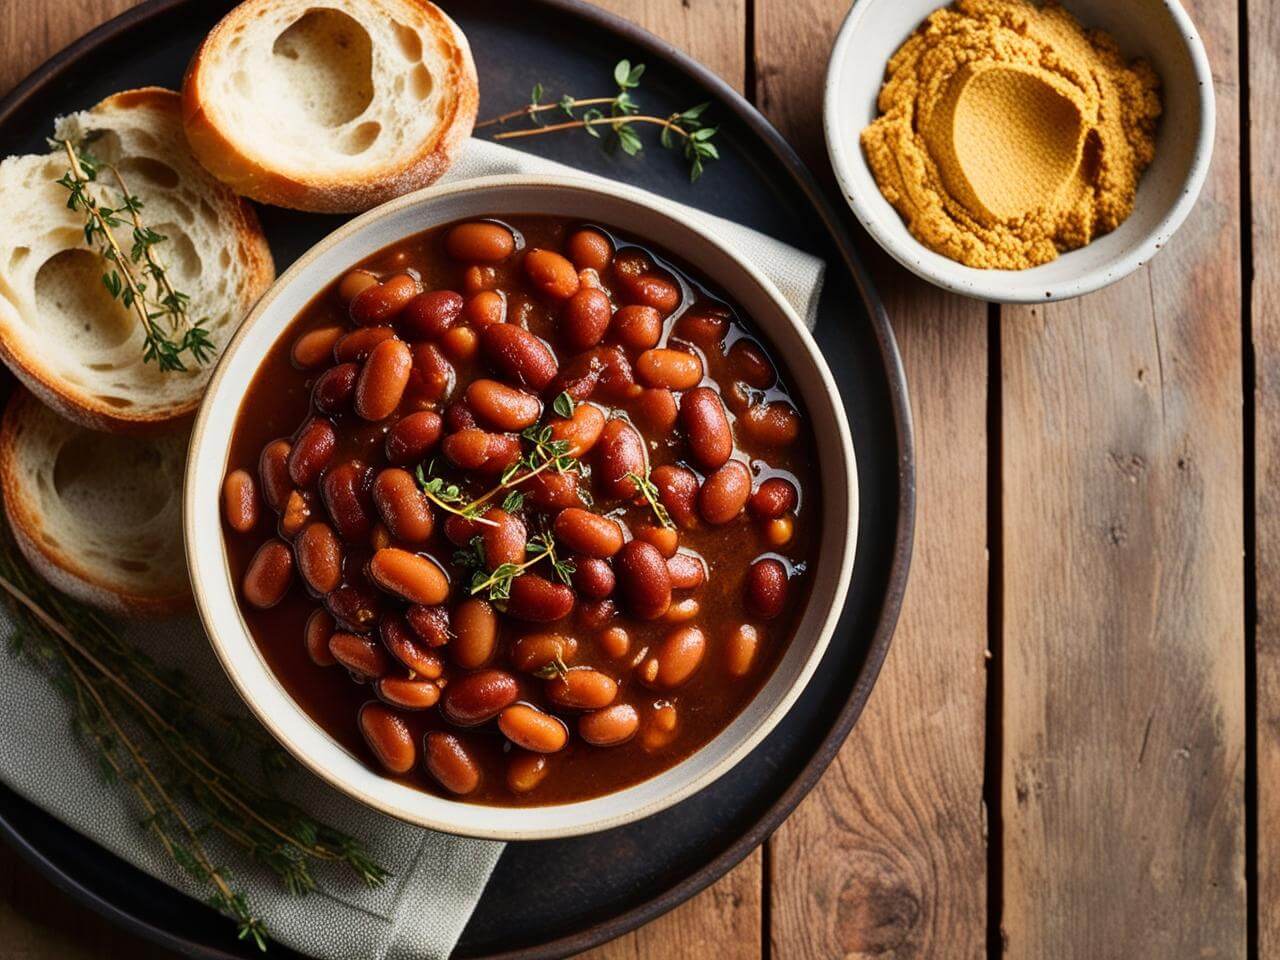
(555, 667)
(498, 581)
(649, 491)
(127, 277)
(447, 496)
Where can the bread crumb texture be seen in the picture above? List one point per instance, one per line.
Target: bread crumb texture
(1008, 133)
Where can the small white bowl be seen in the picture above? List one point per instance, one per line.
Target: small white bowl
(1158, 30)
(643, 216)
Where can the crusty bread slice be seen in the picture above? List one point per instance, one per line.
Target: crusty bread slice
(98, 515)
(333, 108)
(60, 331)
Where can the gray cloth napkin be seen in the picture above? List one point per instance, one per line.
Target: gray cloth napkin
(437, 879)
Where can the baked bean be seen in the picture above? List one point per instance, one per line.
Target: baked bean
(617, 380)
(477, 697)
(579, 377)
(740, 650)
(413, 437)
(581, 431)
(428, 315)
(535, 650)
(476, 279)
(773, 498)
(460, 530)
(582, 688)
(528, 727)
(402, 505)
(538, 600)
(525, 771)
(643, 579)
(432, 625)
(593, 578)
(407, 693)
(319, 557)
(678, 491)
(779, 531)
(402, 643)
(379, 303)
(637, 327)
(273, 472)
(653, 290)
(724, 493)
(485, 308)
(460, 344)
(458, 416)
(431, 376)
(297, 513)
(388, 737)
(552, 491)
(773, 424)
(676, 659)
(313, 349)
(504, 539)
(382, 380)
(414, 577)
(660, 728)
(354, 283)
(589, 250)
(656, 410)
(380, 538)
(664, 538)
(766, 588)
(750, 365)
(518, 356)
(311, 451)
(503, 452)
(240, 501)
(468, 448)
(610, 726)
(551, 274)
(354, 607)
(316, 634)
(688, 571)
(673, 369)
(448, 761)
(476, 628)
(501, 406)
(682, 611)
(588, 533)
(594, 614)
(621, 451)
(585, 319)
(335, 387)
(363, 658)
(480, 241)
(615, 642)
(345, 489)
(704, 326)
(269, 575)
(706, 427)
(358, 344)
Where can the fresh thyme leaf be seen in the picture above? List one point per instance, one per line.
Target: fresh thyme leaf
(535, 97)
(556, 667)
(649, 491)
(513, 502)
(563, 405)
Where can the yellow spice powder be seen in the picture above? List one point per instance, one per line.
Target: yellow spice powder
(1008, 133)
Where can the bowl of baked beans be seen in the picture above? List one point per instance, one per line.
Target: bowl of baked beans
(521, 508)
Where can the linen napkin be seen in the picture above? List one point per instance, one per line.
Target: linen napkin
(437, 879)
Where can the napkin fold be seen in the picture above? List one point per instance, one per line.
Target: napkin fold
(437, 879)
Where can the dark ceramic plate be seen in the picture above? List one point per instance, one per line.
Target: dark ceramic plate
(553, 898)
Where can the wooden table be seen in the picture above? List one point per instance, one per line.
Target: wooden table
(1070, 749)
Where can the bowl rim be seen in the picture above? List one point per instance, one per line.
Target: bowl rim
(1011, 286)
(194, 537)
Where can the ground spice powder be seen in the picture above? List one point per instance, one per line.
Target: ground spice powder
(1009, 134)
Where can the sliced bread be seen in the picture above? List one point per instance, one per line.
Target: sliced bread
(61, 332)
(332, 108)
(97, 515)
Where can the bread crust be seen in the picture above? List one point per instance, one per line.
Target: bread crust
(252, 176)
(55, 565)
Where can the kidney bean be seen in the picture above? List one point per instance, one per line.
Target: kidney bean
(660, 728)
(315, 636)
(412, 437)
(415, 577)
(588, 533)
(477, 278)
(477, 697)
(637, 327)
(354, 607)
(505, 541)
(269, 575)
(617, 379)
(380, 537)
(403, 506)
(240, 501)
(676, 659)
(724, 493)
(355, 283)
(383, 379)
(688, 571)
(406, 693)
(665, 539)
(704, 325)
(653, 290)
(358, 344)
(501, 406)
(740, 650)
(297, 513)
(610, 726)
(480, 241)
(311, 451)
(319, 557)
(401, 642)
(518, 356)
(615, 642)
(448, 761)
(378, 304)
(678, 491)
(581, 431)
(774, 497)
(460, 530)
(772, 424)
(333, 389)
(778, 531)
(273, 472)
(585, 318)
(313, 349)
(594, 614)
(631, 262)
(593, 578)
(551, 274)
(458, 416)
(460, 344)
(655, 410)
(582, 688)
(538, 600)
(706, 427)
(682, 611)
(643, 579)
(388, 737)
(535, 650)
(621, 451)
(750, 365)
(589, 250)
(485, 308)
(468, 449)
(766, 588)
(552, 491)
(428, 315)
(673, 369)
(476, 633)
(363, 658)
(345, 490)
(528, 727)
(433, 625)
(525, 771)
(579, 377)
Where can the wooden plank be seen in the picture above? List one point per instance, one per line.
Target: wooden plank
(1123, 768)
(887, 856)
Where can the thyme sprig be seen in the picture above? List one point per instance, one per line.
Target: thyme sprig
(647, 489)
(683, 131)
(155, 737)
(498, 581)
(448, 496)
(553, 668)
(162, 312)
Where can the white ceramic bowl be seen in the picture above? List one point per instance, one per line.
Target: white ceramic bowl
(643, 216)
(1158, 30)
